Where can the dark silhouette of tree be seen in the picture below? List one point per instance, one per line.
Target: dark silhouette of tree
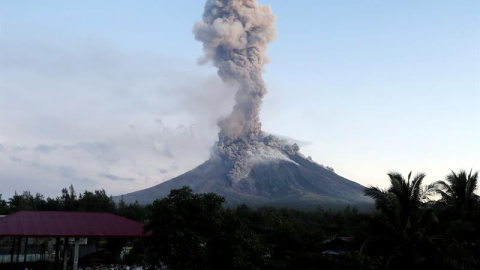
(184, 227)
(53, 204)
(402, 229)
(97, 201)
(69, 199)
(3, 206)
(25, 201)
(133, 211)
(458, 210)
(458, 191)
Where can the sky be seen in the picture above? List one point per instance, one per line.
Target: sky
(110, 95)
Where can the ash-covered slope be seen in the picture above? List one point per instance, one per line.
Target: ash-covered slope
(272, 173)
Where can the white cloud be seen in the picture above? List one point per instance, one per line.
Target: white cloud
(97, 118)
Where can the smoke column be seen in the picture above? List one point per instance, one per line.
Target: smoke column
(235, 34)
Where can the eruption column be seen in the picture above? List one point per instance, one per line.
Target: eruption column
(235, 34)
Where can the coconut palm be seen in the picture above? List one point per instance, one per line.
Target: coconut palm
(459, 212)
(457, 192)
(403, 224)
(401, 202)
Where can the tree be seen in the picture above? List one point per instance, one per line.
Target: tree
(133, 211)
(402, 229)
(458, 191)
(97, 201)
(3, 206)
(69, 199)
(458, 210)
(25, 201)
(184, 227)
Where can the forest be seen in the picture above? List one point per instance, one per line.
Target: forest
(413, 226)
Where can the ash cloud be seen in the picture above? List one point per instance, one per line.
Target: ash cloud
(235, 34)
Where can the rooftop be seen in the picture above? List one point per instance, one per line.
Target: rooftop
(68, 224)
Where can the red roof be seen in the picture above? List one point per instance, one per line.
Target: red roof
(68, 224)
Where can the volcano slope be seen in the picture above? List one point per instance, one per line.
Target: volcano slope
(276, 175)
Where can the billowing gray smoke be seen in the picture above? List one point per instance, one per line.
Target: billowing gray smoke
(235, 34)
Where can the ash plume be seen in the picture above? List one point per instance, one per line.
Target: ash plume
(235, 34)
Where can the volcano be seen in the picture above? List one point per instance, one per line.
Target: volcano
(247, 165)
(274, 174)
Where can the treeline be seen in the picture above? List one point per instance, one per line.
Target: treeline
(414, 227)
(69, 200)
(194, 231)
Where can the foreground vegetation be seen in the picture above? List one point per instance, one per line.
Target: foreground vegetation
(414, 227)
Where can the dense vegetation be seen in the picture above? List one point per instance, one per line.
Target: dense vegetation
(97, 201)
(414, 227)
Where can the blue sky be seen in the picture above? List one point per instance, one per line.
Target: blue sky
(108, 94)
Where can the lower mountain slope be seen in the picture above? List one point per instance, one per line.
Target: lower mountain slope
(296, 183)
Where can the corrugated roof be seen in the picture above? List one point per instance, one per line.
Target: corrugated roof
(68, 224)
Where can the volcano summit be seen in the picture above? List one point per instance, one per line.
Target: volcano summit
(246, 165)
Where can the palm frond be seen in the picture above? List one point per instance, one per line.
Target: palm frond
(378, 195)
(471, 184)
(397, 181)
(445, 197)
(416, 186)
(443, 186)
(375, 193)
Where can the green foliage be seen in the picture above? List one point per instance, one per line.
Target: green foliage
(459, 214)
(133, 211)
(25, 201)
(96, 201)
(3, 206)
(411, 232)
(184, 229)
(69, 199)
(458, 192)
(402, 230)
(193, 231)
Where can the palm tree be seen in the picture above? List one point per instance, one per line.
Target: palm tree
(401, 202)
(457, 192)
(403, 225)
(459, 212)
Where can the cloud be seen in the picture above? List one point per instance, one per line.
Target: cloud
(67, 171)
(45, 148)
(104, 152)
(114, 177)
(146, 153)
(88, 107)
(16, 159)
(5, 148)
(162, 171)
